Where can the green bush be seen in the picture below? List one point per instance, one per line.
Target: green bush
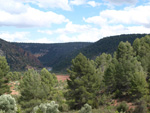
(123, 107)
(86, 109)
(8, 104)
(46, 108)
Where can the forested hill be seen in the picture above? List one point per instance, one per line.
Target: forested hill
(107, 45)
(52, 54)
(17, 58)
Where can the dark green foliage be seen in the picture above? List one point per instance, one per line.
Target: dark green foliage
(4, 69)
(125, 74)
(84, 83)
(123, 107)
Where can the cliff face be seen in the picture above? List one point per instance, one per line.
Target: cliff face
(17, 58)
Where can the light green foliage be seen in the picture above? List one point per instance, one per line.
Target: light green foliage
(84, 83)
(4, 69)
(35, 88)
(8, 104)
(46, 108)
(86, 109)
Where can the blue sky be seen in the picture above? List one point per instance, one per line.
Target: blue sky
(58, 21)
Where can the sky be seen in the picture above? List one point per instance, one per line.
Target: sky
(59, 21)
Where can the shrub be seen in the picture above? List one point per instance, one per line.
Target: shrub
(8, 104)
(46, 108)
(86, 109)
(141, 107)
(123, 107)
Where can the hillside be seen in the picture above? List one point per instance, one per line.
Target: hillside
(107, 45)
(52, 54)
(17, 58)
(59, 55)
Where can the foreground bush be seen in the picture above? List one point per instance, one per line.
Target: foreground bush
(7, 104)
(86, 109)
(46, 108)
(123, 107)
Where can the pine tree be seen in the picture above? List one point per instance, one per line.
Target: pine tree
(48, 81)
(126, 73)
(31, 90)
(4, 69)
(84, 83)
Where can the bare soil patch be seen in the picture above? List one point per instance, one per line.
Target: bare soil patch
(62, 77)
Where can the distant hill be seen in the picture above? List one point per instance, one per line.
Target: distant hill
(107, 45)
(51, 54)
(59, 55)
(17, 58)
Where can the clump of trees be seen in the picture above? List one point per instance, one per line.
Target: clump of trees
(36, 88)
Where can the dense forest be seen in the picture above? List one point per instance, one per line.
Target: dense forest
(111, 83)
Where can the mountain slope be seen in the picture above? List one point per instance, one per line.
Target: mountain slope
(17, 58)
(52, 54)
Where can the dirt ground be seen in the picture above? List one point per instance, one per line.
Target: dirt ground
(62, 77)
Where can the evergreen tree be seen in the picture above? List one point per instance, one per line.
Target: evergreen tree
(84, 83)
(127, 72)
(48, 81)
(31, 90)
(4, 69)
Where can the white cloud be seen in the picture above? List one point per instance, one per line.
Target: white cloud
(41, 40)
(78, 2)
(98, 20)
(45, 32)
(15, 37)
(73, 28)
(31, 18)
(63, 4)
(120, 2)
(12, 6)
(130, 16)
(93, 3)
